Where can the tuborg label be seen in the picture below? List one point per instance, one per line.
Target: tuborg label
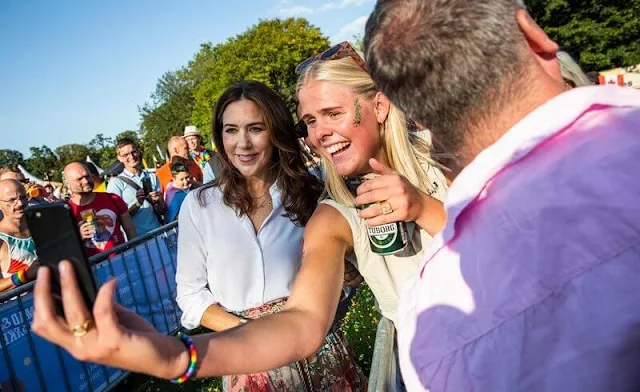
(383, 236)
(384, 239)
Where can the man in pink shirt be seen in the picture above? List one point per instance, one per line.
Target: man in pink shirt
(534, 284)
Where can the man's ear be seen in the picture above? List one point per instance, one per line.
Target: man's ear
(381, 107)
(542, 47)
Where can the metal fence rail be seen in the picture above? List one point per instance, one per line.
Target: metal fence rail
(145, 269)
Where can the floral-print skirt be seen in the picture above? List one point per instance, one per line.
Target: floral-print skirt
(331, 368)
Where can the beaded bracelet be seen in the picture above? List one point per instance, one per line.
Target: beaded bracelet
(19, 278)
(193, 359)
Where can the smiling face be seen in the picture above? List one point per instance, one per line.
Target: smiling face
(245, 138)
(181, 180)
(129, 155)
(193, 142)
(342, 126)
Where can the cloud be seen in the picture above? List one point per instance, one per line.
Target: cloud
(287, 9)
(347, 31)
(344, 3)
(295, 11)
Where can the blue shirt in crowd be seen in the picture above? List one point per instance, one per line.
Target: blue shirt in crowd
(145, 219)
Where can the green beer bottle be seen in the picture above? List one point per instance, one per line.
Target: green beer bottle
(385, 239)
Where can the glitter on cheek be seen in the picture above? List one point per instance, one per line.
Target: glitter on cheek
(358, 116)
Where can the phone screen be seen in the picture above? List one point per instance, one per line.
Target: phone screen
(55, 233)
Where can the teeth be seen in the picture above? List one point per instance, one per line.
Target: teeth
(337, 147)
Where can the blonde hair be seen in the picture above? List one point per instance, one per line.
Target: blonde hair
(571, 71)
(405, 153)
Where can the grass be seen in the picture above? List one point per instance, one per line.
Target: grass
(358, 325)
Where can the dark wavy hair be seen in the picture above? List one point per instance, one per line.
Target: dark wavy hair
(300, 190)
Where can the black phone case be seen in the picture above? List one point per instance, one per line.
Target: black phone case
(56, 235)
(146, 185)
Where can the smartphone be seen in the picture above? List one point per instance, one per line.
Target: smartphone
(146, 185)
(56, 235)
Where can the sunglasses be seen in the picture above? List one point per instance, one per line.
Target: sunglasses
(339, 51)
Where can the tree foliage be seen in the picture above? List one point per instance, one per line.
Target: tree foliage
(169, 110)
(43, 163)
(102, 150)
(11, 158)
(68, 153)
(268, 52)
(601, 34)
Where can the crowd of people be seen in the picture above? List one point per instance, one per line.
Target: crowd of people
(520, 243)
(109, 212)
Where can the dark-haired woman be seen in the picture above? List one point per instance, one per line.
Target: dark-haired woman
(177, 189)
(240, 241)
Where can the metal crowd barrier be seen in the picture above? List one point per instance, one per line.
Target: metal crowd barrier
(145, 269)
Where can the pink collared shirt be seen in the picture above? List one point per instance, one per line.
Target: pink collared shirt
(534, 284)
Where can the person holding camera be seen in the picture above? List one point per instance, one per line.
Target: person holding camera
(139, 188)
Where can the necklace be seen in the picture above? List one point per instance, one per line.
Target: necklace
(261, 196)
(266, 201)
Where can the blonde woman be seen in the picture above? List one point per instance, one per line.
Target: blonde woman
(356, 131)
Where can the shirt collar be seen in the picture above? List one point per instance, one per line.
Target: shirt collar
(544, 122)
(129, 174)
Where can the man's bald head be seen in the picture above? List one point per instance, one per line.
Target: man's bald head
(78, 178)
(177, 146)
(13, 198)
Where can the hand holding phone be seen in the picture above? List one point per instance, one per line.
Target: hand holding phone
(146, 185)
(55, 233)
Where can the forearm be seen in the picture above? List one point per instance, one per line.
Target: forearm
(260, 345)
(217, 319)
(6, 284)
(432, 215)
(130, 231)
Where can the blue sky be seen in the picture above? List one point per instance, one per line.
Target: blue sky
(72, 69)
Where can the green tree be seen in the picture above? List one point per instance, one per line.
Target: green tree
(11, 158)
(603, 34)
(43, 163)
(168, 112)
(268, 52)
(68, 153)
(128, 135)
(102, 148)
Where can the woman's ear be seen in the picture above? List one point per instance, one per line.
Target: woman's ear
(381, 107)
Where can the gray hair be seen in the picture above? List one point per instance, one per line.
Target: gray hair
(571, 71)
(446, 63)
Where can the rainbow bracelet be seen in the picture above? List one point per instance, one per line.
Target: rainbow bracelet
(19, 278)
(193, 359)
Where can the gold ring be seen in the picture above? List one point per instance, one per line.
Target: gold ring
(385, 206)
(80, 330)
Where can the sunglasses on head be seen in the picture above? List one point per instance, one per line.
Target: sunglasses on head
(339, 51)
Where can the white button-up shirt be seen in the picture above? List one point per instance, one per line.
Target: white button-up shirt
(221, 260)
(534, 284)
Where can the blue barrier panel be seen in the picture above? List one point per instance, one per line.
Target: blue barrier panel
(145, 271)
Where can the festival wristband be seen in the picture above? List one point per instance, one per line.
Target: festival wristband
(19, 278)
(193, 359)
